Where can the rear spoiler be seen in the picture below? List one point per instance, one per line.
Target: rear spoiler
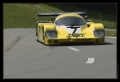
(59, 13)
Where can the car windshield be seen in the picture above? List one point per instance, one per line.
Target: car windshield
(70, 20)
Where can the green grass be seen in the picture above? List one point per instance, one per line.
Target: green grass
(16, 15)
(50, 8)
(111, 33)
(108, 20)
(21, 15)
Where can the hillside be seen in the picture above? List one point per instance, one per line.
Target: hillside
(22, 15)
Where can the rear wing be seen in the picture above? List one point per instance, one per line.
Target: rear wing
(39, 14)
(59, 13)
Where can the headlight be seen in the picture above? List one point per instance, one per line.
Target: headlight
(51, 34)
(99, 33)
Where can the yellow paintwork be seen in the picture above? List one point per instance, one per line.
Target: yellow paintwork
(68, 14)
(62, 32)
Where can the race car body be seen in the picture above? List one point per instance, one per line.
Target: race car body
(67, 27)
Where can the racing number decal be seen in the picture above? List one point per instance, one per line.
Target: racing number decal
(73, 29)
(74, 32)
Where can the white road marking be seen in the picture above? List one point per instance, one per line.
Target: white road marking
(90, 60)
(73, 49)
(110, 37)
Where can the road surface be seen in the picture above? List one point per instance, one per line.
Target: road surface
(25, 58)
(108, 29)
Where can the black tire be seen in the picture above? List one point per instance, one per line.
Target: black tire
(36, 29)
(37, 37)
(43, 35)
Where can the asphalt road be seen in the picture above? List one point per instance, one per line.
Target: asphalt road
(25, 58)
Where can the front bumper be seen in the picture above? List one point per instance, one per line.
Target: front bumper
(55, 41)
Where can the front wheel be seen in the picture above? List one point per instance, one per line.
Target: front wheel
(42, 35)
(37, 34)
(37, 37)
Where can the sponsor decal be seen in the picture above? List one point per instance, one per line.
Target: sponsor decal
(76, 35)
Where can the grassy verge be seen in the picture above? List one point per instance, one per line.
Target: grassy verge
(16, 15)
(20, 15)
(111, 33)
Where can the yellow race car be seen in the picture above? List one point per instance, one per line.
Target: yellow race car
(64, 27)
